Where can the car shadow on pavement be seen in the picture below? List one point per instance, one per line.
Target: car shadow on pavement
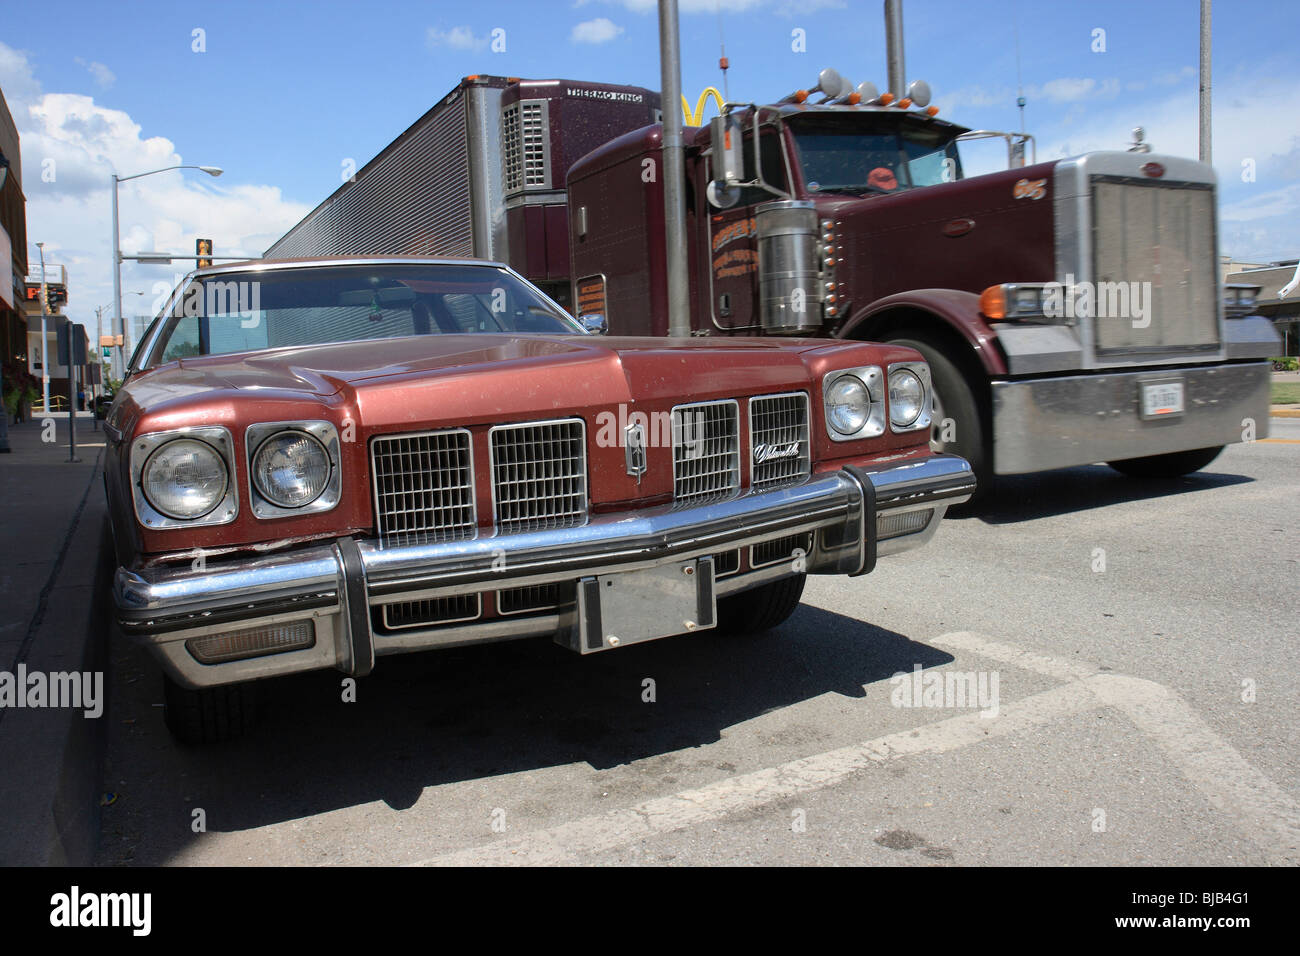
(427, 719)
(1051, 493)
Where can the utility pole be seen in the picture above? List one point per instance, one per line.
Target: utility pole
(674, 172)
(1205, 82)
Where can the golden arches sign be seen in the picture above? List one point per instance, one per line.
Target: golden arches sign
(697, 118)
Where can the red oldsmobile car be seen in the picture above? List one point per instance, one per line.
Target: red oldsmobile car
(314, 464)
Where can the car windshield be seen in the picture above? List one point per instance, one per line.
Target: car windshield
(838, 155)
(316, 305)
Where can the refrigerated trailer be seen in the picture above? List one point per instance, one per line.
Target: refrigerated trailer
(481, 174)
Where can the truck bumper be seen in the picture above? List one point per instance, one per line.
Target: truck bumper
(1044, 423)
(322, 606)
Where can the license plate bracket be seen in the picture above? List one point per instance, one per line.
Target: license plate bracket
(630, 607)
(1162, 398)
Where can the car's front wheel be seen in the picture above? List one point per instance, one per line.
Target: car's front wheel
(761, 608)
(209, 715)
(1172, 465)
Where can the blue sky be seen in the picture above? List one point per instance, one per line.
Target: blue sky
(285, 92)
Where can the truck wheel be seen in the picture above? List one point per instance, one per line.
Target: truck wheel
(761, 608)
(954, 398)
(1173, 465)
(209, 715)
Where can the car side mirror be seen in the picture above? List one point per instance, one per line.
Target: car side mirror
(594, 323)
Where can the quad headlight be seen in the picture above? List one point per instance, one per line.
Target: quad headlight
(185, 479)
(848, 405)
(854, 400)
(291, 469)
(909, 396)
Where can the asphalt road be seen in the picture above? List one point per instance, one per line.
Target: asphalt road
(1137, 642)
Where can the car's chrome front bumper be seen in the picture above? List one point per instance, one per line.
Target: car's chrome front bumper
(853, 516)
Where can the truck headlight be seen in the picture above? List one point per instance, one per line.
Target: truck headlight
(909, 396)
(291, 469)
(854, 401)
(185, 479)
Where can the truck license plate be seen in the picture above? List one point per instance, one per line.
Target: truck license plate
(632, 606)
(1162, 399)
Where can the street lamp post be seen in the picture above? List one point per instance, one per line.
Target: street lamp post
(119, 322)
(45, 342)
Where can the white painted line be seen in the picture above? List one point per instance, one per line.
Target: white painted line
(567, 842)
(1260, 807)
(1015, 656)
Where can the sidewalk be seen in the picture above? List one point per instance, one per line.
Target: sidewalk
(52, 620)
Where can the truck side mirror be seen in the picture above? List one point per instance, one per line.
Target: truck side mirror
(594, 323)
(728, 149)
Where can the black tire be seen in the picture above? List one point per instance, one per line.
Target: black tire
(955, 399)
(761, 608)
(1173, 465)
(209, 715)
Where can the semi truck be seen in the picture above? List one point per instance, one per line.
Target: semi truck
(1071, 311)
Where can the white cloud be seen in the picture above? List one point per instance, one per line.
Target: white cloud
(457, 38)
(1069, 89)
(599, 30)
(79, 144)
(102, 74)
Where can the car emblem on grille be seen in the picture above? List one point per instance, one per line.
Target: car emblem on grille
(765, 453)
(634, 450)
(1154, 170)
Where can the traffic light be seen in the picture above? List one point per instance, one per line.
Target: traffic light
(203, 249)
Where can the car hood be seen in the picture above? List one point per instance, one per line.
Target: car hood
(472, 377)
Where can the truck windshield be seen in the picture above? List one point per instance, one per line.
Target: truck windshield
(838, 155)
(242, 311)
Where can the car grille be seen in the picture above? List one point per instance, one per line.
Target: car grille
(539, 475)
(1162, 234)
(448, 610)
(780, 549)
(536, 597)
(778, 439)
(706, 451)
(424, 487)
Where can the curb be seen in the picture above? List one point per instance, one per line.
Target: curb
(53, 758)
(1282, 411)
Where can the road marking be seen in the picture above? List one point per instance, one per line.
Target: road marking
(1213, 766)
(1266, 814)
(569, 841)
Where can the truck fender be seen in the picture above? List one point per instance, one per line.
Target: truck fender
(956, 309)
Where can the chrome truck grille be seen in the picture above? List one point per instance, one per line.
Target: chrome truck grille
(706, 451)
(1162, 234)
(539, 475)
(423, 486)
(778, 439)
